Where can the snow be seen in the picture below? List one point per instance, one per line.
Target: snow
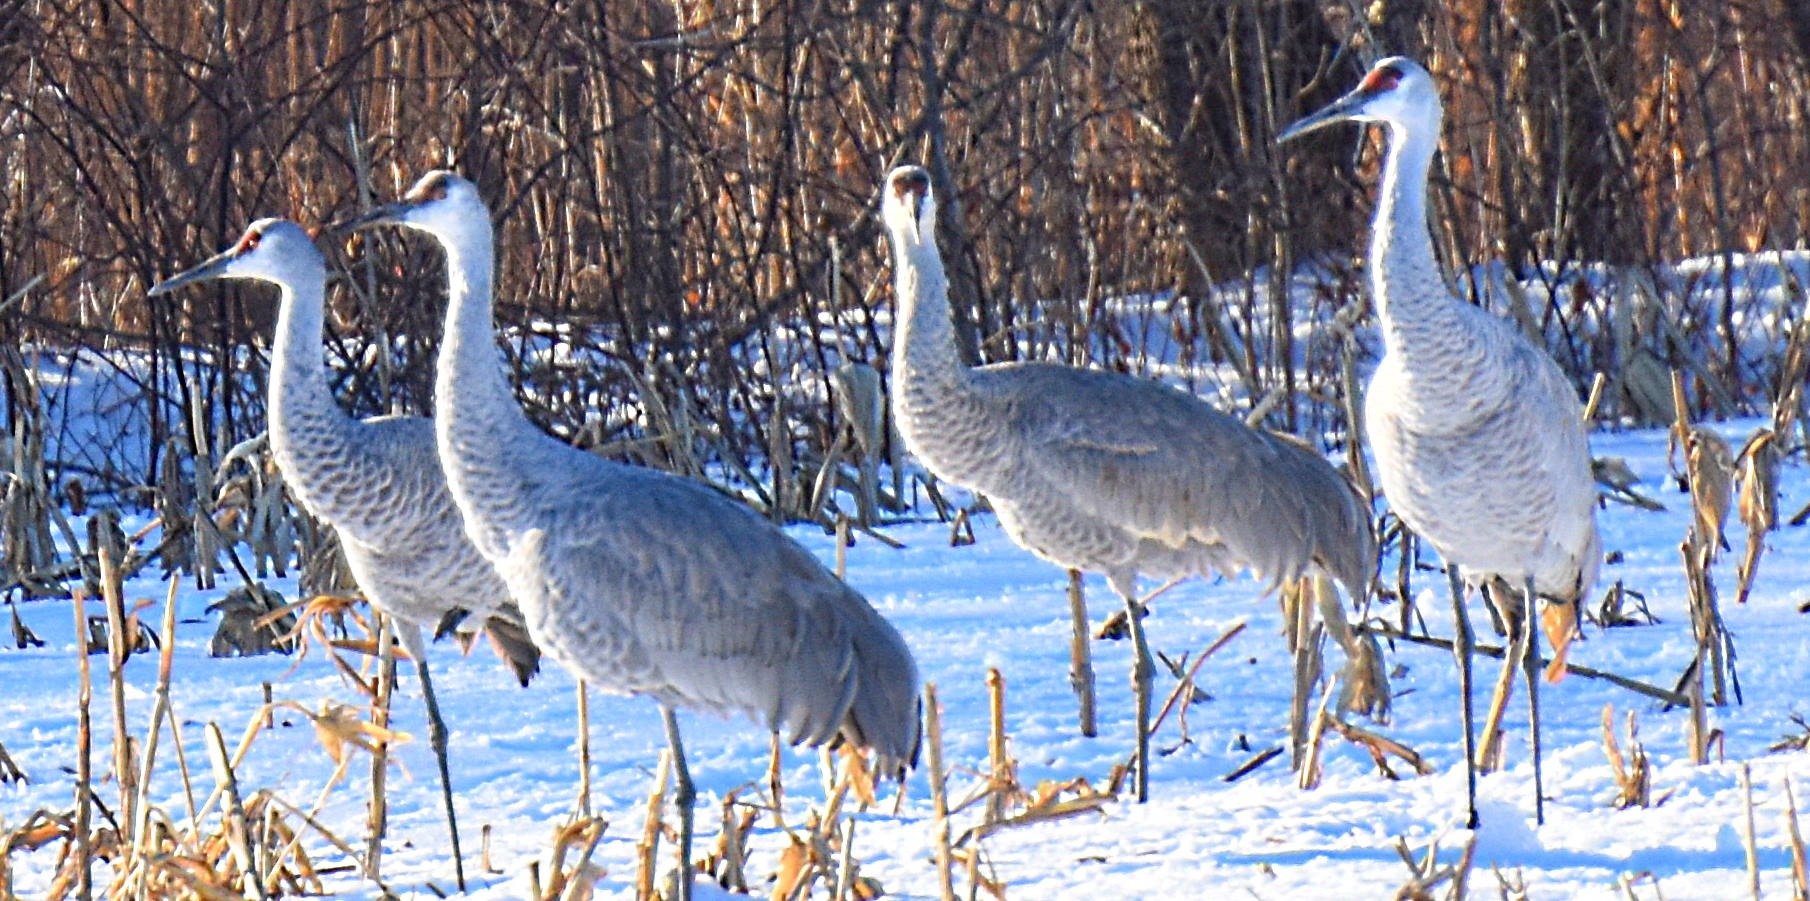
(964, 609)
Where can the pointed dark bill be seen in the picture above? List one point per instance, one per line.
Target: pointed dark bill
(1339, 110)
(208, 269)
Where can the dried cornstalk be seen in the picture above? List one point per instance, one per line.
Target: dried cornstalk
(1489, 746)
(727, 862)
(84, 759)
(990, 883)
(577, 882)
(160, 708)
(335, 734)
(776, 788)
(1425, 875)
(10, 772)
(648, 848)
(1749, 846)
(862, 404)
(237, 830)
(119, 645)
(1307, 775)
(1002, 782)
(1800, 871)
(1759, 502)
(939, 794)
(1307, 667)
(1381, 748)
(1706, 624)
(1709, 472)
(1051, 801)
(1633, 771)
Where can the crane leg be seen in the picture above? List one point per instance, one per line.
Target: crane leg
(436, 738)
(1141, 670)
(1081, 662)
(683, 796)
(1531, 665)
(1462, 645)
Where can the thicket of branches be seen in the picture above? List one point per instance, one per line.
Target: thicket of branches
(675, 179)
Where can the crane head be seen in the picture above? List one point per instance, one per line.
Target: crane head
(908, 206)
(1396, 91)
(440, 202)
(271, 250)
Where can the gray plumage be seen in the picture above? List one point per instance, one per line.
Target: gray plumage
(1101, 471)
(1479, 438)
(376, 482)
(1478, 435)
(638, 581)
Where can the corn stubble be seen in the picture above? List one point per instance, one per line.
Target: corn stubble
(241, 841)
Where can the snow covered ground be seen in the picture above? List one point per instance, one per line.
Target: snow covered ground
(991, 605)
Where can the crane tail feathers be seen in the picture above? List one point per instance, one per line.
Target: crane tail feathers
(512, 645)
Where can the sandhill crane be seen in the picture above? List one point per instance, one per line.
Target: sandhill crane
(1106, 472)
(376, 481)
(638, 581)
(1478, 436)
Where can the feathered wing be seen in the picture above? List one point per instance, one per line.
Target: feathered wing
(1167, 466)
(381, 486)
(404, 537)
(1493, 471)
(509, 638)
(1566, 458)
(678, 592)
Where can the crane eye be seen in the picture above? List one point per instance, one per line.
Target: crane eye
(431, 190)
(248, 243)
(916, 181)
(1380, 79)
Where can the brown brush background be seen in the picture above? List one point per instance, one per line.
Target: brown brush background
(680, 177)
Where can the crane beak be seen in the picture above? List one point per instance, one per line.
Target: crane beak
(388, 214)
(1348, 107)
(214, 267)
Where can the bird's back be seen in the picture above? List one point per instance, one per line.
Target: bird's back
(1487, 457)
(647, 583)
(1107, 471)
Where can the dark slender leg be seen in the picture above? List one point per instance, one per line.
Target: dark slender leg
(683, 795)
(1141, 670)
(1531, 664)
(436, 738)
(1462, 645)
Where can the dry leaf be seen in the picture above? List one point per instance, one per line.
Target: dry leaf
(795, 866)
(338, 725)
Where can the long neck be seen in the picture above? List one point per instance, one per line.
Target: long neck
(924, 355)
(309, 433)
(479, 426)
(937, 406)
(1417, 311)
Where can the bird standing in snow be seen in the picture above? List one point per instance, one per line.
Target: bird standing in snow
(1478, 436)
(376, 481)
(638, 581)
(1101, 471)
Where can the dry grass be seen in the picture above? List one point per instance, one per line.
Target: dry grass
(1632, 769)
(1426, 875)
(1066, 134)
(234, 841)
